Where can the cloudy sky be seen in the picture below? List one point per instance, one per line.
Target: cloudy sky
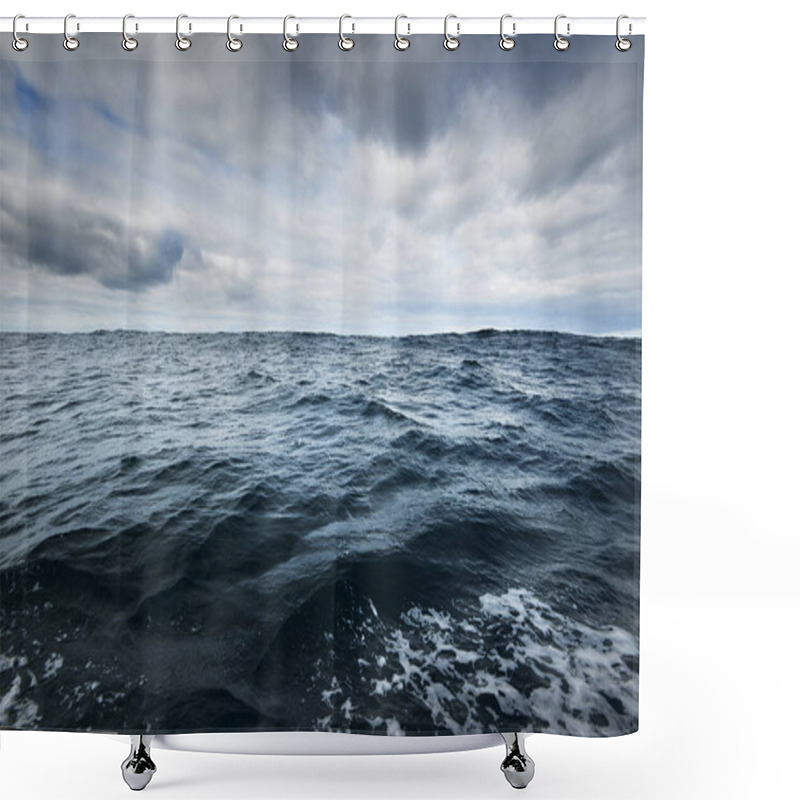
(366, 192)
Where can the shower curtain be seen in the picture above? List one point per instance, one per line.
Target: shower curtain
(320, 385)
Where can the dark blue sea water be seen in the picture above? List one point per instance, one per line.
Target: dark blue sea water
(430, 534)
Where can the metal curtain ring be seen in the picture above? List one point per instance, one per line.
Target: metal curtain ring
(128, 42)
(70, 42)
(233, 44)
(560, 42)
(289, 44)
(506, 42)
(344, 42)
(181, 41)
(451, 42)
(400, 42)
(18, 43)
(623, 45)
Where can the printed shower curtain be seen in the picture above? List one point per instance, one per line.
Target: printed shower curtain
(320, 386)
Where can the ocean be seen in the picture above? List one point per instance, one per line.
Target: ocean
(285, 531)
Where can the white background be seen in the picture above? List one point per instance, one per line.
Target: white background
(720, 599)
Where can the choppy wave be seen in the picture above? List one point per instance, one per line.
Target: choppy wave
(429, 534)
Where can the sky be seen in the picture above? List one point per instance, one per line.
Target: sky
(369, 192)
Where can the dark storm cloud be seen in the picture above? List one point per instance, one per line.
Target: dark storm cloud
(66, 241)
(398, 104)
(393, 103)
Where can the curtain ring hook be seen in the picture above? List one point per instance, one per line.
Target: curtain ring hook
(233, 44)
(289, 44)
(623, 45)
(345, 43)
(70, 42)
(507, 42)
(181, 42)
(400, 42)
(18, 43)
(129, 43)
(560, 42)
(451, 42)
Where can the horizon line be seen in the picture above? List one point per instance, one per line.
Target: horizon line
(633, 334)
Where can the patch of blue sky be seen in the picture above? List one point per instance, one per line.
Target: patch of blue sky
(113, 119)
(30, 101)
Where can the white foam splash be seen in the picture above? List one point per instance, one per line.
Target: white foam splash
(16, 711)
(514, 658)
(52, 665)
(596, 692)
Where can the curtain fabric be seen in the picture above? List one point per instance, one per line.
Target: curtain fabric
(320, 386)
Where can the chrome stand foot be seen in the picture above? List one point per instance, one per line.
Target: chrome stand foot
(138, 768)
(517, 766)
